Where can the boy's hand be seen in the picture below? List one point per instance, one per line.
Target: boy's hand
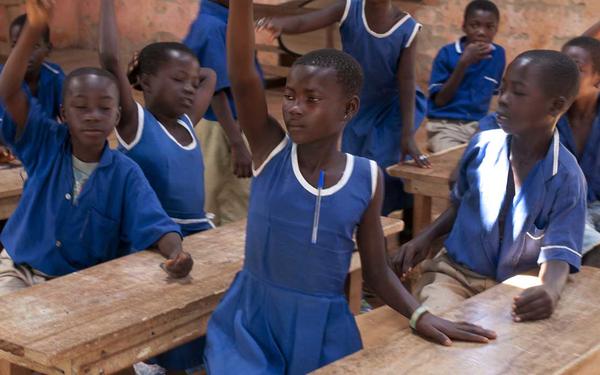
(409, 147)
(475, 52)
(242, 161)
(272, 25)
(39, 12)
(5, 155)
(535, 303)
(442, 331)
(179, 265)
(410, 254)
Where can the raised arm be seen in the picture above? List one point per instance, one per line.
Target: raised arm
(303, 23)
(11, 94)
(593, 31)
(246, 84)
(204, 94)
(109, 60)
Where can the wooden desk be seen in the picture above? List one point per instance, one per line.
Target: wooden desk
(105, 318)
(427, 183)
(11, 188)
(567, 343)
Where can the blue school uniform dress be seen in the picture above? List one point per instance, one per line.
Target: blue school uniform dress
(115, 214)
(554, 193)
(176, 173)
(481, 81)
(207, 38)
(50, 85)
(285, 312)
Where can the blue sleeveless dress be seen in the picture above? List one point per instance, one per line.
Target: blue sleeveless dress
(376, 131)
(285, 312)
(176, 173)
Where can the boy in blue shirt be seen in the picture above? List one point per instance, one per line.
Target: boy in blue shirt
(519, 202)
(83, 203)
(464, 77)
(227, 163)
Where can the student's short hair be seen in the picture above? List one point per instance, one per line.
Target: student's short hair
(348, 71)
(559, 75)
(20, 22)
(85, 72)
(591, 45)
(484, 5)
(152, 57)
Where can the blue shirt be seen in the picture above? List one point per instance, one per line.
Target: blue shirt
(116, 213)
(376, 130)
(544, 222)
(481, 81)
(176, 173)
(589, 158)
(207, 37)
(49, 90)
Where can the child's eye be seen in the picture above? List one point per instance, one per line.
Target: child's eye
(288, 97)
(313, 99)
(178, 79)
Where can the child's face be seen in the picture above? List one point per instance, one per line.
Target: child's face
(589, 78)
(523, 106)
(480, 26)
(172, 90)
(91, 109)
(40, 51)
(314, 105)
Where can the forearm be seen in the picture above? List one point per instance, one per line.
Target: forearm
(593, 31)
(387, 286)
(109, 38)
(407, 90)
(553, 274)
(170, 245)
(240, 51)
(441, 226)
(15, 68)
(220, 106)
(449, 88)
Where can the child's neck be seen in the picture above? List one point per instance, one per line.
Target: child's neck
(87, 154)
(320, 155)
(530, 147)
(381, 15)
(166, 120)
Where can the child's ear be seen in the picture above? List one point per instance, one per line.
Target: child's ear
(144, 82)
(559, 106)
(352, 107)
(597, 80)
(118, 116)
(61, 113)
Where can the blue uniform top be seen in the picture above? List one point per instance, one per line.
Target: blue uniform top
(481, 81)
(49, 91)
(286, 313)
(207, 37)
(116, 213)
(589, 158)
(175, 172)
(376, 130)
(544, 222)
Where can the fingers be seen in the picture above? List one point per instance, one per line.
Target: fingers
(180, 266)
(528, 296)
(467, 334)
(422, 160)
(531, 306)
(477, 330)
(538, 314)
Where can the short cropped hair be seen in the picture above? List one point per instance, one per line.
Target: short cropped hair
(84, 72)
(484, 5)
(591, 45)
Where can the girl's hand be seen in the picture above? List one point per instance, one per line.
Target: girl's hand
(272, 25)
(242, 161)
(39, 12)
(179, 265)
(408, 147)
(410, 254)
(5, 155)
(442, 331)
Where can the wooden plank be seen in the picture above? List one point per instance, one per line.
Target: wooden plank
(11, 188)
(421, 213)
(109, 316)
(568, 342)
(378, 326)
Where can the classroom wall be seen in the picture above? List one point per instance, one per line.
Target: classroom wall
(525, 24)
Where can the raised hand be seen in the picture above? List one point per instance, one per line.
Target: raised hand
(39, 12)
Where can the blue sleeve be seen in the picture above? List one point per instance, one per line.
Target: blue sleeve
(440, 72)
(462, 183)
(40, 137)
(563, 237)
(58, 88)
(489, 122)
(209, 44)
(144, 221)
(501, 64)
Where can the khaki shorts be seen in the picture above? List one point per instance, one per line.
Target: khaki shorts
(225, 195)
(445, 134)
(16, 277)
(444, 284)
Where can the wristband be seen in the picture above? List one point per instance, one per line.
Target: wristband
(416, 316)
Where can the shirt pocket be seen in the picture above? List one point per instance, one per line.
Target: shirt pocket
(99, 235)
(530, 248)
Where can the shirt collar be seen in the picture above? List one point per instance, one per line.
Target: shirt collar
(214, 9)
(460, 43)
(106, 158)
(550, 163)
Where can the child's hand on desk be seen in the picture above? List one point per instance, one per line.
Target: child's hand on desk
(409, 147)
(179, 265)
(475, 52)
(535, 303)
(5, 155)
(39, 12)
(442, 331)
(411, 253)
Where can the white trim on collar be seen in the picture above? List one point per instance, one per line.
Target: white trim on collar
(457, 47)
(138, 133)
(346, 11)
(330, 190)
(555, 152)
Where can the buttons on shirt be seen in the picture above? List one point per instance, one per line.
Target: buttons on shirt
(58, 243)
(68, 196)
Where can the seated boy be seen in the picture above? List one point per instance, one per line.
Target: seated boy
(83, 203)
(519, 201)
(464, 77)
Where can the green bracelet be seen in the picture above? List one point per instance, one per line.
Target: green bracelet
(416, 316)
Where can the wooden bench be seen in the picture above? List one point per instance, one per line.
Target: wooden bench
(567, 343)
(105, 318)
(11, 188)
(426, 184)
